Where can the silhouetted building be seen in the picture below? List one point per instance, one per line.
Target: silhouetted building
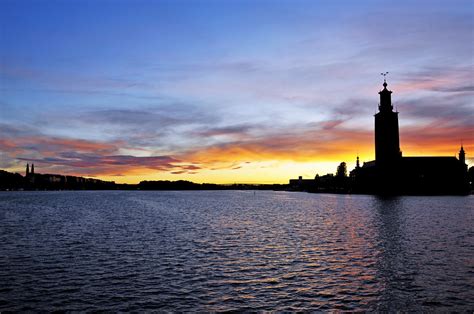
(391, 173)
(387, 139)
(38, 181)
(301, 184)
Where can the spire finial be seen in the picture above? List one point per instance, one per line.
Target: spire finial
(384, 74)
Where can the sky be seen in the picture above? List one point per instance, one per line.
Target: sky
(228, 91)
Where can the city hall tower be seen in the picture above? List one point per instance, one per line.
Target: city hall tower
(387, 141)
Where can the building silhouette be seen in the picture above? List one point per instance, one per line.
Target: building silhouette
(301, 184)
(387, 139)
(39, 181)
(391, 173)
(29, 173)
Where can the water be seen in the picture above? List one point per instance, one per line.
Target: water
(233, 250)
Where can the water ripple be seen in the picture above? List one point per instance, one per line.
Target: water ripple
(233, 250)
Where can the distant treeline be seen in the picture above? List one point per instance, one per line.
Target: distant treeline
(15, 181)
(187, 185)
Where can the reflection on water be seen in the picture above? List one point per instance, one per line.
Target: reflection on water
(394, 270)
(229, 250)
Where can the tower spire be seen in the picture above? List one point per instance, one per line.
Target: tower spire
(27, 169)
(462, 155)
(385, 104)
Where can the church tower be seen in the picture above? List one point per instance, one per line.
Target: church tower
(462, 155)
(387, 141)
(27, 170)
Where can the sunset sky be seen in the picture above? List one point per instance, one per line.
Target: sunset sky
(228, 91)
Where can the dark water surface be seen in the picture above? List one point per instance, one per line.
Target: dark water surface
(229, 250)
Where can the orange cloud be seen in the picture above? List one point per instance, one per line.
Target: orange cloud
(329, 141)
(310, 145)
(436, 137)
(10, 146)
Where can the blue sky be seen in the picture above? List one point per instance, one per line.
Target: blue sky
(224, 91)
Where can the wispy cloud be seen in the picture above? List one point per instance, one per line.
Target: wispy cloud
(452, 79)
(111, 165)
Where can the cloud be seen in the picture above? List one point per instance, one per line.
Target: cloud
(159, 117)
(93, 164)
(440, 136)
(446, 109)
(234, 130)
(58, 81)
(445, 78)
(311, 142)
(79, 156)
(328, 140)
(17, 139)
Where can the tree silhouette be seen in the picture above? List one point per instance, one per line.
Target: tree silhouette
(341, 170)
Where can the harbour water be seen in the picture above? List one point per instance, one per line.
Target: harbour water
(234, 250)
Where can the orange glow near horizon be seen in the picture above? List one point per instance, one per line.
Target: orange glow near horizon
(280, 171)
(269, 159)
(228, 167)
